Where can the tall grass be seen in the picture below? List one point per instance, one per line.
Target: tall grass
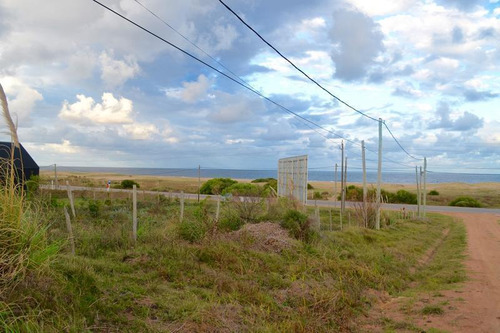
(24, 247)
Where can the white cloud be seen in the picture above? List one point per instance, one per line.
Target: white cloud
(139, 131)
(117, 72)
(382, 7)
(87, 111)
(63, 148)
(21, 98)
(191, 92)
(314, 23)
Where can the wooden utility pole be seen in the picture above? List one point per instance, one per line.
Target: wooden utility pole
(345, 180)
(365, 191)
(335, 187)
(342, 196)
(418, 191)
(379, 174)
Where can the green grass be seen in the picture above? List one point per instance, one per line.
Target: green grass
(170, 281)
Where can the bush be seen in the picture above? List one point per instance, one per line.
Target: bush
(403, 196)
(299, 225)
(433, 192)
(244, 190)
(317, 195)
(216, 185)
(128, 183)
(465, 202)
(310, 187)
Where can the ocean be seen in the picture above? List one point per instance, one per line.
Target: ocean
(314, 175)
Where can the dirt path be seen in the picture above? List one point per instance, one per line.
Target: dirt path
(474, 307)
(480, 309)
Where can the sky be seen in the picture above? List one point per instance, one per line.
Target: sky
(89, 89)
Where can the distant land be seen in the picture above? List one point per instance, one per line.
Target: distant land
(314, 175)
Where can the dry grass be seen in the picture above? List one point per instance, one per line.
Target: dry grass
(486, 193)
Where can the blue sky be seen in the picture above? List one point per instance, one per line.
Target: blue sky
(89, 89)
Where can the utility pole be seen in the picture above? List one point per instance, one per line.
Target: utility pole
(345, 180)
(199, 182)
(55, 176)
(425, 188)
(342, 195)
(365, 207)
(335, 188)
(379, 173)
(418, 191)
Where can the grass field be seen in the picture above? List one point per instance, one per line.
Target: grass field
(176, 278)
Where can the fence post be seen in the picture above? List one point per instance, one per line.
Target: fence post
(217, 212)
(331, 221)
(70, 197)
(134, 212)
(70, 231)
(182, 206)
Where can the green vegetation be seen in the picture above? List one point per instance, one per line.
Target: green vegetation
(216, 185)
(433, 192)
(128, 183)
(465, 202)
(243, 189)
(195, 276)
(299, 225)
(355, 193)
(432, 310)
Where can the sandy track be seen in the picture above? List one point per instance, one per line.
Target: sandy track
(480, 310)
(473, 307)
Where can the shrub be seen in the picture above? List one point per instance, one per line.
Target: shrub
(310, 187)
(216, 185)
(299, 225)
(465, 202)
(243, 189)
(128, 183)
(94, 207)
(403, 196)
(433, 192)
(317, 195)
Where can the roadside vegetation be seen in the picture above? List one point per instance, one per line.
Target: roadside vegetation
(271, 269)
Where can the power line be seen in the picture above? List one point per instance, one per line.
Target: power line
(295, 66)
(226, 75)
(310, 78)
(400, 146)
(305, 120)
(190, 42)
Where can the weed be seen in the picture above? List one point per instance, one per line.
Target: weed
(432, 310)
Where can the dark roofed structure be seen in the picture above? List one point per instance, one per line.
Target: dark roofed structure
(24, 163)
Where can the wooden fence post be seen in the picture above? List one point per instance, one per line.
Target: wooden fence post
(217, 212)
(331, 221)
(182, 206)
(70, 231)
(70, 197)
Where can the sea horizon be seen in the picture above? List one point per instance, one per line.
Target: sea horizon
(356, 176)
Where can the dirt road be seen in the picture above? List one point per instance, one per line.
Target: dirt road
(473, 307)
(480, 309)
